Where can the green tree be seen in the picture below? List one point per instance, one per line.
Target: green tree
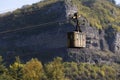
(6, 77)
(71, 70)
(4, 71)
(15, 70)
(55, 70)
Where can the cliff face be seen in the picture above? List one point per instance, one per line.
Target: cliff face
(114, 41)
(48, 41)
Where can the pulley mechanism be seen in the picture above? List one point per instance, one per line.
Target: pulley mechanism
(76, 20)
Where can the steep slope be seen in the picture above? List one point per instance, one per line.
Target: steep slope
(49, 40)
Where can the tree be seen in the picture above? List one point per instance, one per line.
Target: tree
(15, 70)
(71, 70)
(55, 70)
(6, 77)
(33, 70)
(4, 71)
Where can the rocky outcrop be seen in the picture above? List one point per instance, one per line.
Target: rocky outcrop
(116, 43)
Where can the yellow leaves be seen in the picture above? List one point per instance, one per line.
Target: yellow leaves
(102, 73)
(16, 65)
(15, 69)
(33, 70)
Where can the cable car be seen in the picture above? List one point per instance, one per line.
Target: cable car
(76, 39)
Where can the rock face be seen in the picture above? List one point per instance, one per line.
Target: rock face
(113, 40)
(116, 43)
(50, 41)
(110, 37)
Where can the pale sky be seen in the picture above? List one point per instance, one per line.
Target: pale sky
(117, 1)
(8, 5)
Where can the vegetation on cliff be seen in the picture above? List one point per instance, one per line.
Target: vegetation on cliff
(100, 13)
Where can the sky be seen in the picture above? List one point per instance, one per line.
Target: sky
(117, 1)
(9, 5)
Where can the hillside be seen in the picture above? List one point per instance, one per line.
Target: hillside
(51, 18)
(40, 31)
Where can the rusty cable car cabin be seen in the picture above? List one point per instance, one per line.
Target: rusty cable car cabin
(76, 39)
